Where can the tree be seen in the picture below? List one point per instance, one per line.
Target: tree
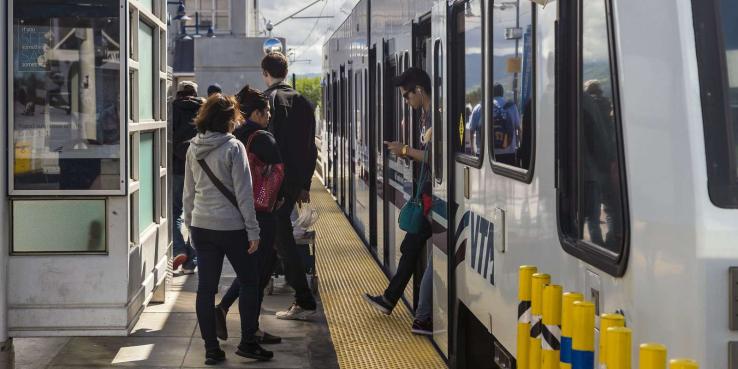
(310, 88)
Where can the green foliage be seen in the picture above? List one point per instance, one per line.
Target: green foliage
(310, 88)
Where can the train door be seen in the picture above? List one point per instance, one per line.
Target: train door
(421, 57)
(472, 343)
(387, 133)
(442, 165)
(361, 155)
(376, 177)
(341, 137)
(350, 144)
(334, 135)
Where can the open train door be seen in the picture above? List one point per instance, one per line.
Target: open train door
(443, 279)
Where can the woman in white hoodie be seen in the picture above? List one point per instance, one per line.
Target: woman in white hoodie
(219, 211)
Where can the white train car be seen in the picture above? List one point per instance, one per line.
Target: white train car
(594, 139)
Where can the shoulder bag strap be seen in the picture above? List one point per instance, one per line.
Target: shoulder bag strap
(421, 179)
(225, 191)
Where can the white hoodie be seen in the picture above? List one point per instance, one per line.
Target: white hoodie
(204, 205)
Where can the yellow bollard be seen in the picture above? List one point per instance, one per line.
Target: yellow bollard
(524, 290)
(618, 347)
(540, 280)
(551, 340)
(567, 326)
(652, 356)
(607, 321)
(683, 364)
(583, 336)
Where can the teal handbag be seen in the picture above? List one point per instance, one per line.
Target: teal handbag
(411, 218)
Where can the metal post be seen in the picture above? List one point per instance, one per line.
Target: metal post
(567, 326)
(540, 280)
(524, 281)
(551, 326)
(652, 356)
(583, 336)
(618, 347)
(294, 82)
(607, 321)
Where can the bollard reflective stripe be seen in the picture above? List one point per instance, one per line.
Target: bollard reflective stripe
(582, 342)
(524, 290)
(540, 280)
(652, 356)
(683, 364)
(567, 326)
(551, 340)
(618, 347)
(607, 321)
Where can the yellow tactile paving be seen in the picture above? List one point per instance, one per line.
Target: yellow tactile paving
(363, 337)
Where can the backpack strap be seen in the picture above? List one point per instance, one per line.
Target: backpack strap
(221, 187)
(251, 138)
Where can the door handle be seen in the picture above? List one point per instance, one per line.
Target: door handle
(466, 183)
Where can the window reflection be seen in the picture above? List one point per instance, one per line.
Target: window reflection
(600, 204)
(468, 41)
(729, 15)
(512, 69)
(66, 78)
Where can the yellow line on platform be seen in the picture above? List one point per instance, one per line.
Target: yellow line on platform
(363, 337)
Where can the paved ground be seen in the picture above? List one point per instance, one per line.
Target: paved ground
(167, 336)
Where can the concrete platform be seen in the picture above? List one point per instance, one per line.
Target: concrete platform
(167, 336)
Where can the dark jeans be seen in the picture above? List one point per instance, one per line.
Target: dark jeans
(211, 247)
(179, 245)
(267, 260)
(287, 250)
(410, 249)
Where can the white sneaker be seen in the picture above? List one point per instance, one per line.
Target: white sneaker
(295, 312)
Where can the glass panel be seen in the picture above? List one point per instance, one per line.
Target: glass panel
(146, 69)
(223, 5)
(510, 129)
(66, 92)
(468, 43)
(729, 22)
(599, 182)
(221, 22)
(68, 225)
(147, 4)
(146, 180)
(438, 135)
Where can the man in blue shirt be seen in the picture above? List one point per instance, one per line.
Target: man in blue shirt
(506, 127)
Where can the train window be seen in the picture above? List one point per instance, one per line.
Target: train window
(438, 111)
(406, 113)
(592, 204)
(467, 82)
(716, 32)
(511, 124)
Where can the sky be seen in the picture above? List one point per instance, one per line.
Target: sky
(305, 36)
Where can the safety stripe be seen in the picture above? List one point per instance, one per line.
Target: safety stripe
(524, 312)
(582, 359)
(566, 350)
(551, 337)
(536, 326)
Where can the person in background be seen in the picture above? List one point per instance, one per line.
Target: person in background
(184, 109)
(505, 127)
(255, 107)
(415, 87)
(214, 89)
(293, 126)
(219, 211)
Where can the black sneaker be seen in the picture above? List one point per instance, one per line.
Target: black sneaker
(379, 303)
(214, 356)
(265, 338)
(254, 351)
(423, 327)
(221, 330)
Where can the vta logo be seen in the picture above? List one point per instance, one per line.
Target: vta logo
(482, 255)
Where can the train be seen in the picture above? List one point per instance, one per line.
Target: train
(619, 177)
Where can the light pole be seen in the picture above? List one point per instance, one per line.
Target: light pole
(181, 13)
(196, 26)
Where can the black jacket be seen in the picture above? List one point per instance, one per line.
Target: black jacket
(264, 145)
(184, 111)
(293, 126)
